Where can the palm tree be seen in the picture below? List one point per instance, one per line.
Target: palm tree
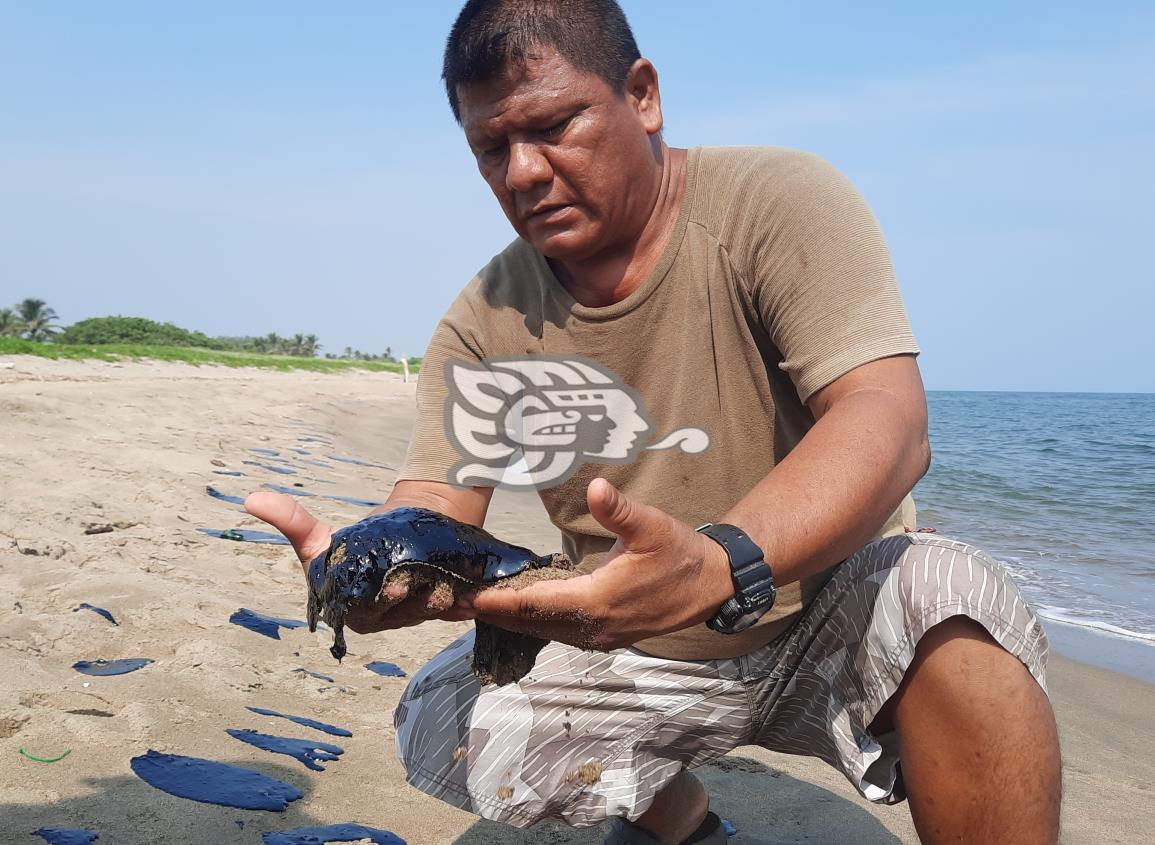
(37, 318)
(269, 344)
(312, 346)
(10, 325)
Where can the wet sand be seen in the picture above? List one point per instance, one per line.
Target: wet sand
(128, 450)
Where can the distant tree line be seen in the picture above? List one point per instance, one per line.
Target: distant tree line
(301, 345)
(32, 319)
(352, 354)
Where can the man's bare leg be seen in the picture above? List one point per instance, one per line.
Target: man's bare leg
(978, 742)
(677, 810)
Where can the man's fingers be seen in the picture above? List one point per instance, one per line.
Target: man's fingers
(396, 589)
(309, 536)
(637, 526)
(552, 610)
(544, 600)
(410, 609)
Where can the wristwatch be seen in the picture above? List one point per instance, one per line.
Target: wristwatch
(754, 591)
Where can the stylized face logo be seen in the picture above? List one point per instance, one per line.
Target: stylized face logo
(595, 422)
(532, 422)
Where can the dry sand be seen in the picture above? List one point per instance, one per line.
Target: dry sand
(130, 446)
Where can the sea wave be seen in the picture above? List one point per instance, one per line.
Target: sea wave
(1061, 488)
(1060, 614)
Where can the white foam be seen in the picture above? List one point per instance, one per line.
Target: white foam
(1058, 614)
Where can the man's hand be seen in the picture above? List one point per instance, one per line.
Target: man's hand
(660, 576)
(395, 608)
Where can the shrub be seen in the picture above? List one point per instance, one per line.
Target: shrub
(100, 330)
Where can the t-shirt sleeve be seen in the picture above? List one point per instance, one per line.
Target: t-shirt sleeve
(824, 283)
(431, 454)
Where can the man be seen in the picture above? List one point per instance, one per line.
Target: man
(684, 337)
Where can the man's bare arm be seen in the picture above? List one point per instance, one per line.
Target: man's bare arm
(835, 490)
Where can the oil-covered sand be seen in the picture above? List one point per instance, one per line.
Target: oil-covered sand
(127, 451)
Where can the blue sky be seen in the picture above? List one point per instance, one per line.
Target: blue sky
(247, 167)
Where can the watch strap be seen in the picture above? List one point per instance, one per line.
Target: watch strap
(754, 591)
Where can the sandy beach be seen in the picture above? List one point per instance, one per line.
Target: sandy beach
(127, 450)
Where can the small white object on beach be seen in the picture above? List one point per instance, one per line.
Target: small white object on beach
(6, 365)
(405, 369)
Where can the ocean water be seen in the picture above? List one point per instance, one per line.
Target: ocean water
(1061, 488)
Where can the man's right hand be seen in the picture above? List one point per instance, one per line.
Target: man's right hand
(396, 607)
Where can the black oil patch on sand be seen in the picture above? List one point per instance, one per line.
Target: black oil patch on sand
(266, 626)
(101, 668)
(308, 752)
(211, 782)
(332, 730)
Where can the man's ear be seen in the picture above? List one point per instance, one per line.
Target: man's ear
(642, 89)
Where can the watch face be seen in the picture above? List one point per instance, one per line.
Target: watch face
(748, 604)
(761, 597)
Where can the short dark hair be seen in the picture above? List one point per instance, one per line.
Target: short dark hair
(592, 35)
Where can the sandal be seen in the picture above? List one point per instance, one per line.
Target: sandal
(709, 832)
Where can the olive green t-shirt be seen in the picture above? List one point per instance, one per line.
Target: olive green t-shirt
(775, 282)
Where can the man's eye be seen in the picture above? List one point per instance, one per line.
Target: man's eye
(556, 129)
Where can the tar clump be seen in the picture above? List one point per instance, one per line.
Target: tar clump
(435, 552)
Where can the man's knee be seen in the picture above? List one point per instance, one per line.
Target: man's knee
(959, 665)
(963, 679)
(974, 723)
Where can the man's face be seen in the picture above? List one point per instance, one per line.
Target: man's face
(567, 156)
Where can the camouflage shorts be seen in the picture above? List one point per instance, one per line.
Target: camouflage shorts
(589, 735)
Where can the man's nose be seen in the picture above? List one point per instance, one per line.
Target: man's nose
(527, 168)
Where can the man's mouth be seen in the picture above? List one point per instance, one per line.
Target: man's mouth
(547, 212)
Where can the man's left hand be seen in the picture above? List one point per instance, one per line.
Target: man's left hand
(660, 576)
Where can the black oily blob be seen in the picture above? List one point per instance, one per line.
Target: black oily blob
(331, 833)
(214, 783)
(437, 551)
(224, 497)
(266, 626)
(101, 668)
(385, 669)
(306, 673)
(247, 535)
(333, 730)
(309, 752)
(66, 835)
(98, 610)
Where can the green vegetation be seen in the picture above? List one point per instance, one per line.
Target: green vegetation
(133, 330)
(29, 329)
(189, 355)
(352, 354)
(305, 345)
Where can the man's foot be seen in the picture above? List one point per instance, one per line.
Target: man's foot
(709, 832)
